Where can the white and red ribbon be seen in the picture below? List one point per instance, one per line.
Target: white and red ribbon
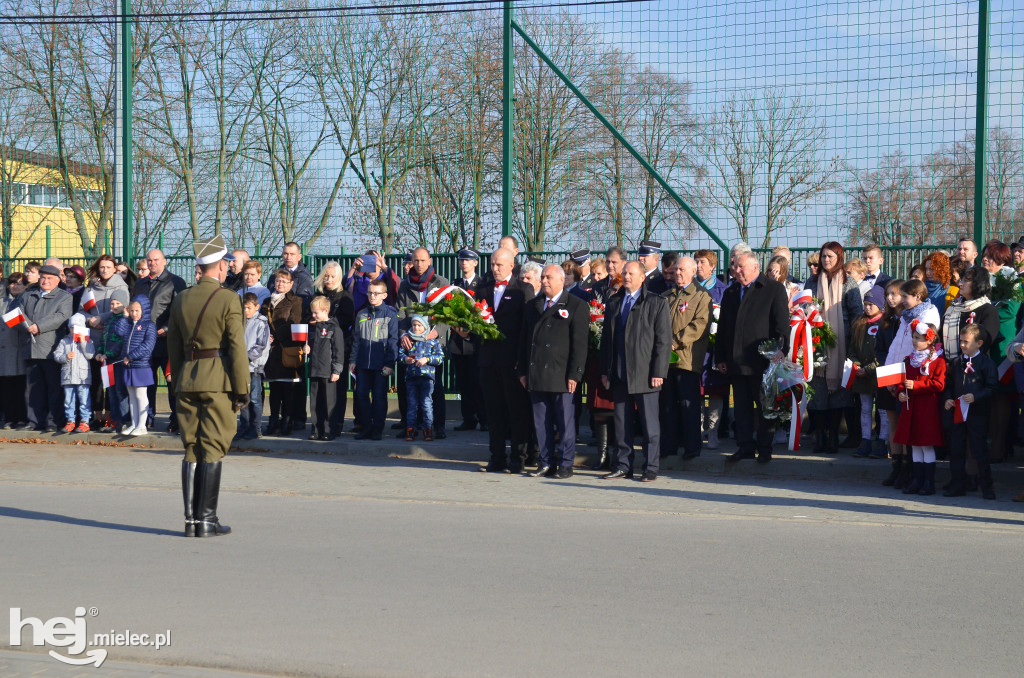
(796, 420)
(800, 326)
(442, 292)
(971, 317)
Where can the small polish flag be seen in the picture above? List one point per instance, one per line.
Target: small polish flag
(79, 334)
(1005, 370)
(300, 333)
(849, 373)
(14, 317)
(892, 375)
(88, 300)
(107, 374)
(803, 297)
(960, 411)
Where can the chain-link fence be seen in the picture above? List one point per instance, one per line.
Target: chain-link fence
(345, 126)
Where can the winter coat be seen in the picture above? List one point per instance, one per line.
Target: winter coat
(139, 342)
(113, 339)
(74, 371)
(408, 295)
(303, 283)
(981, 382)
(921, 418)
(161, 292)
(12, 362)
(647, 341)
(326, 349)
(761, 314)
(289, 311)
(690, 311)
(902, 344)
(553, 347)
(115, 288)
(375, 338)
(257, 342)
(429, 349)
(853, 302)
(863, 353)
(50, 313)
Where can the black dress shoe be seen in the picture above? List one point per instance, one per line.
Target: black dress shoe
(398, 427)
(439, 434)
(649, 477)
(690, 455)
(315, 436)
(737, 456)
(377, 435)
(615, 474)
(493, 469)
(483, 427)
(564, 472)
(51, 428)
(465, 426)
(541, 471)
(954, 492)
(362, 435)
(764, 458)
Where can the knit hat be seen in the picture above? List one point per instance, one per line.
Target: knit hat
(120, 294)
(423, 321)
(876, 295)
(77, 320)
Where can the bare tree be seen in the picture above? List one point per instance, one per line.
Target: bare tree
(880, 202)
(734, 149)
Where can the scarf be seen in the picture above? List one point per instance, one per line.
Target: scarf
(921, 359)
(708, 284)
(420, 282)
(911, 314)
(275, 298)
(951, 323)
(831, 294)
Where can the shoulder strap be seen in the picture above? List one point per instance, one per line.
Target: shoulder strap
(199, 320)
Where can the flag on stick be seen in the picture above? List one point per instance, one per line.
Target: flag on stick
(14, 317)
(300, 333)
(891, 375)
(960, 411)
(849, 373)
(88, 300)
(107, 374)
(1005, 371)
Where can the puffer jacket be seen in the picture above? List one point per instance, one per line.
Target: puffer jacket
(429, 349)
(257, 342)
(74, 371)
(140, 339)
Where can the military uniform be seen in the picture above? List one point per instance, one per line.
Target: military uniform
(210, 374)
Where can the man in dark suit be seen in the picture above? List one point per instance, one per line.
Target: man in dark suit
(754, 309)
(552, 352)
(462, 351)
(635, 349)
(506, 402)
(649, 256)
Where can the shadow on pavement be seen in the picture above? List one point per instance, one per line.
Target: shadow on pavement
(10, 512)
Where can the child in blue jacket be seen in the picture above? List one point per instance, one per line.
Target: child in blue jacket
(137, 355)
(374, 350)
(421, 363)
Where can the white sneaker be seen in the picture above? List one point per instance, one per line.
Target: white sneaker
(127, 430)
(139, 431)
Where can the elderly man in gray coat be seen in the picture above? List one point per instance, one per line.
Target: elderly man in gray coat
(636, 344)
(47, 309)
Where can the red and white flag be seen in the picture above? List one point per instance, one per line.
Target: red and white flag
(849, 374)
(88, 300)
(802, 297)
(14, 317)
(892, 375)
(79, 334)
(960, 409)
(300, 332)
(1005, 370)
(107, 374)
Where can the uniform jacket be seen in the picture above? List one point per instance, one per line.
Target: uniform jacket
(981, 382)
(139, 344)
(375, 338)
(429, 349)
(457, 346)
(161, 292)
(289, 311)
(762, 314)
(656, 283)
(326, 349)
(223, 328)
(257, 342)
(12, 362)
(50, 314)
(690, 313)
(648, 340)
(508, 317)
(74, 371)
(553, 346)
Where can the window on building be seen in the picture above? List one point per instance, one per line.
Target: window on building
(36, 194)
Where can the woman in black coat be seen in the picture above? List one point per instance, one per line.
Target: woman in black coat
(971, 307)
(284, 369)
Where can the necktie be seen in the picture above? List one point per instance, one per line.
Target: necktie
(627, 306)
(547, 304)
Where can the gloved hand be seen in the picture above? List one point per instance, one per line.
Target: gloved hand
(239, 401)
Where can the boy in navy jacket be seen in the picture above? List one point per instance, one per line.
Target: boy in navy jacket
(326, 352)
(374, 351)
(973, 377)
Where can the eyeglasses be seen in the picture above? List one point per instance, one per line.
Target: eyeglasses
(376, 294)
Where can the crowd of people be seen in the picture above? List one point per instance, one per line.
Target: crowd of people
(653, 346)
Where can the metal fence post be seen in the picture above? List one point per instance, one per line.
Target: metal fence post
(981, 124)
(506, 121)
(127, 226)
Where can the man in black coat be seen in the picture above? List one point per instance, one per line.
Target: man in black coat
(552, 353)
(754, 309)
(506, 402)
(161, 287)
(462, 351)
(636, 344)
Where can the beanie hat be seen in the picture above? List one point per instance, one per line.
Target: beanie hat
(876, 295)
(77, 320)
(120, 294)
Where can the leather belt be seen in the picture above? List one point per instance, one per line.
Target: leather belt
(211, 353)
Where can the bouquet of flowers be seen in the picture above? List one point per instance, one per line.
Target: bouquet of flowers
(455, 307)
(596, 324)
(1006, 286)
(782, 382)
(809, 335)
(716, 312)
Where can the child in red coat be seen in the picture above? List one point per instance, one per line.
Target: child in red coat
(920, 424)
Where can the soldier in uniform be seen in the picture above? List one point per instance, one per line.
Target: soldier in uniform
(206, 346)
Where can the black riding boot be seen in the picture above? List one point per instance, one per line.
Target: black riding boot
(208, 489)
(928, 486)
(897, 463)
(906, 473)
(188, 495)
(918, 482)
(601, 438)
